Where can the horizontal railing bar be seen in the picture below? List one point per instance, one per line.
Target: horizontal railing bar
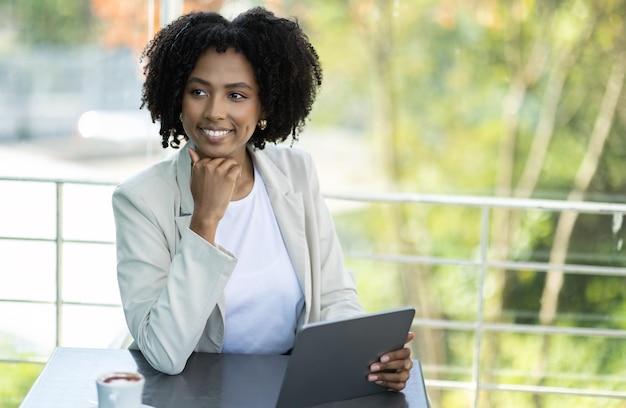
(560, 330)
(569, 268)
(413, 259)
(23, 360)
(513, 265)
(53, 302)
(615, 378)
(57, 180)
(64, 241)
(536, 389)
(532, 389)
(28, 239)
(465, 200)
(520, 328)
(529, 374)
(483, 201)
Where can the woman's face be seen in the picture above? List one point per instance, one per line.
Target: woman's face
(221, 106)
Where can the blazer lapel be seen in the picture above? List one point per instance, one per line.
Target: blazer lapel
(183, 178)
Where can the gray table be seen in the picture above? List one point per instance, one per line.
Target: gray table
(209, 380)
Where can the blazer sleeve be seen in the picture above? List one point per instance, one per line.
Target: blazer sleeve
(169, 286)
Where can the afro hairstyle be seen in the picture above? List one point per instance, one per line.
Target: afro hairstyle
(285, 64)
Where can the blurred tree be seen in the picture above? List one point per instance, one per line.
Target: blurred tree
(53, 22)
(133, 23)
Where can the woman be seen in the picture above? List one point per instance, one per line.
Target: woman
(228, 246)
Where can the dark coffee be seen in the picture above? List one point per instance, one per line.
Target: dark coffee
(121, 378)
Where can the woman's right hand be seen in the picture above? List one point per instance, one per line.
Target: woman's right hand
(213, 182)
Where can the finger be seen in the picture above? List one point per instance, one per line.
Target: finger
(195, 158)
(392, 381)
(400, 354)
(230, 167)
(390, 376)
(392, 366)
(392, 386)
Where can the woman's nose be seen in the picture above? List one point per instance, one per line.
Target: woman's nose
(215, 109)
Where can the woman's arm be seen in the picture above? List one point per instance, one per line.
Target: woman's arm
(168, 288)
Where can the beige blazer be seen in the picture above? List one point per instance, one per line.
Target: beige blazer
(172, 281)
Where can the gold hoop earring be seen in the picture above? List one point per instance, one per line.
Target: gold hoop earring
(262, 124)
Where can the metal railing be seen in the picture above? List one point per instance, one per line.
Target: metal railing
(58, 240)
(479, 326)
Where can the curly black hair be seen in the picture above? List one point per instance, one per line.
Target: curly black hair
(285, 64)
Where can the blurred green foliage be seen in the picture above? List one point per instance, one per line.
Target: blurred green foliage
(53, 22)
(17, 378)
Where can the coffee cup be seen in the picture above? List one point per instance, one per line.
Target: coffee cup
(120, 390)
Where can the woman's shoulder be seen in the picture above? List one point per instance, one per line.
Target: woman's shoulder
(287, 156)
(159, 175)
(282, 164)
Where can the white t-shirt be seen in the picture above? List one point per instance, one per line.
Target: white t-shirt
(263, 296)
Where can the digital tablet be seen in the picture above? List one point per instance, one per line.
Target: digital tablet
(330, 360)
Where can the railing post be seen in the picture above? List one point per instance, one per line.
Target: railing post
(478, 336)
(59, 261)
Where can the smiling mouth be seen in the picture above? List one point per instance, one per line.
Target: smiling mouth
(215, 133)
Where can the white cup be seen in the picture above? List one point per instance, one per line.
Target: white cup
(120, 390)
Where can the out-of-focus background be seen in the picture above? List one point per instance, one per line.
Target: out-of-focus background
(472, 152)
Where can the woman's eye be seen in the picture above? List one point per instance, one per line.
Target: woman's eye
(236, 95)
(198, 92)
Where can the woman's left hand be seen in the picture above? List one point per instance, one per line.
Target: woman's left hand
(394, 368)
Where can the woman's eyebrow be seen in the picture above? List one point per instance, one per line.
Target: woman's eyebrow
(229, 86)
